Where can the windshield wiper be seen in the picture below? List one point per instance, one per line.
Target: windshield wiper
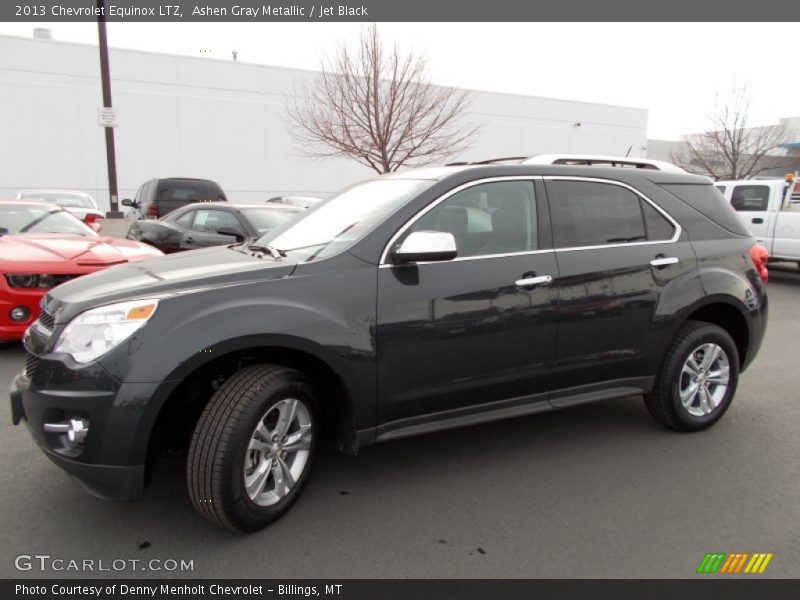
(267, 249)
(309, 246)
(623, 240)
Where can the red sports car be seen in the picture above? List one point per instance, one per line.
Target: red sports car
(42, 245)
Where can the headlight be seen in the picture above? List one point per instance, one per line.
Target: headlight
(31, 281)
(96, 331)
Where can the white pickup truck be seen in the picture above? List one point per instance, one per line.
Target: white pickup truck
(769, 208)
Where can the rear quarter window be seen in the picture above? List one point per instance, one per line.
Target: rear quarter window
(706, 200)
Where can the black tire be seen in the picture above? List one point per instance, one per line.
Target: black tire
(219, 446)
(664, 401)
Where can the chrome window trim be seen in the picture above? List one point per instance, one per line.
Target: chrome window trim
(385, 254)
(532, 178)
(675, 237)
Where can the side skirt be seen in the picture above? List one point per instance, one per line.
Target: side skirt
(505, 409)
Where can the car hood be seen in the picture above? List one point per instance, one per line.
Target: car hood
(36, 250)
(182, 273)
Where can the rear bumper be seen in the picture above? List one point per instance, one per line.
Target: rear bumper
(758, 327)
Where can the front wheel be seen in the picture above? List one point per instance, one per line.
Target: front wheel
(253, 447)
(697, 380)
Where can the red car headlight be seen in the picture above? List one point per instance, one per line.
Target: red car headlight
(31, 281)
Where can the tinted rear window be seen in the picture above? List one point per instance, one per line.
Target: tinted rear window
(707, 201)
(190, 191)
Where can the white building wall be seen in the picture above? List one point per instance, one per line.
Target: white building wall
(221, 120)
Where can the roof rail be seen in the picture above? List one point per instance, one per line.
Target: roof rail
(602, 161)
(586, 160)
(488, 161)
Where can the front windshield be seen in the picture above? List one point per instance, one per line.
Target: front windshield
(60, 199)
(20, 218)
(343, 220)
(266, 219)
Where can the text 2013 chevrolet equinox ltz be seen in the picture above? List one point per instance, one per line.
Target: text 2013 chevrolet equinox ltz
(411, 303)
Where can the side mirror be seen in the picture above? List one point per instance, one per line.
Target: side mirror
(423, 246)
(231, 231)
(127, 202)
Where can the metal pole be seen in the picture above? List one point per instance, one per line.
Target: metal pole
(105, 78)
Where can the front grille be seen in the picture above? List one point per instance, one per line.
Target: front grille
(46, 319)
(31, 362)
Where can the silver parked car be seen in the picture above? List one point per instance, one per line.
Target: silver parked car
(80, 204)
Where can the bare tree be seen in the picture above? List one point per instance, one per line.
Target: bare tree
(377, 107)
(731, 149)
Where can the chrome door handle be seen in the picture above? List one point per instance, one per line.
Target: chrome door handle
(664, 261)
(529, 281)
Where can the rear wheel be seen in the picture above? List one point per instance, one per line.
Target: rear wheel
(253, 447)
(697, 380)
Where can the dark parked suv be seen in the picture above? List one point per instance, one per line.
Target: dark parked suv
(412, 303)
(158, 197)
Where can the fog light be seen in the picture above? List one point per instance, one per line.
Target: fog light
(76, 431)
(19, 314)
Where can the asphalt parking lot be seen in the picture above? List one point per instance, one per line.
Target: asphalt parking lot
(595, 491)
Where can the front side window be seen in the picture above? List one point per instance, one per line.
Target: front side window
(498, 217)
(139, 197)
(747, 198)
(587, 213)
(343, 220)
(209, 221)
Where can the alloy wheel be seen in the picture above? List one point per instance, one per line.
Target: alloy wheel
(704, 379)
(278, 451)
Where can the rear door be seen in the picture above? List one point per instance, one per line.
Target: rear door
(617, 252)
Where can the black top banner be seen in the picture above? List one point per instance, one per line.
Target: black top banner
(397, 10)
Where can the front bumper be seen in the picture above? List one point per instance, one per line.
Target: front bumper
(109, 465)
(10, 299)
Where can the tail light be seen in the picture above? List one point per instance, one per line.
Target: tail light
(758, 254)
(91, 218)
(152, 210)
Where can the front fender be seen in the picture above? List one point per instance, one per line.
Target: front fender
(332, 321)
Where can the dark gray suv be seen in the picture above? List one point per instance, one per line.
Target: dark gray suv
(412, 303)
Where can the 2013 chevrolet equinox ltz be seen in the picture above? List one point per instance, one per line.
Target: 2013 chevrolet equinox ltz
(411, 303)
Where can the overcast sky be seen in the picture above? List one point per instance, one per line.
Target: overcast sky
(674, 70)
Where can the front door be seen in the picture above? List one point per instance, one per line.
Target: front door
(462, 333)
(204, 229)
